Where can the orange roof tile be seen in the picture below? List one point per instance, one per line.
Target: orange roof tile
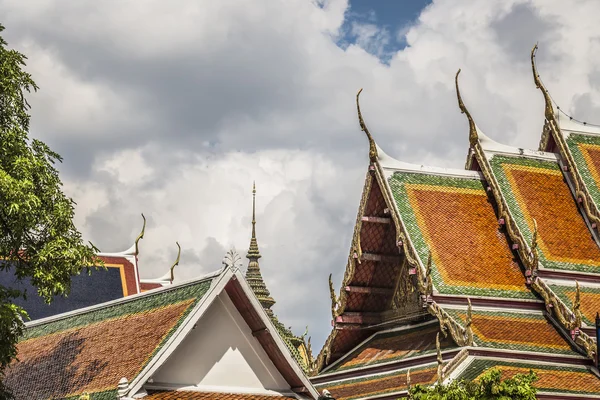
(461, 226)
(512, 330)
(540, 193)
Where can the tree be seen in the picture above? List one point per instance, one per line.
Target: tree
(489, 386)
(38, 240)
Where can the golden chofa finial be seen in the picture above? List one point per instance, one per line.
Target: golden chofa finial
(176, 262)
(548, 110)
(140, 236)
(472, 127)
(363, 127)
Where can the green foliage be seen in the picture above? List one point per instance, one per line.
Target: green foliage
(38, 240)
(489, 386)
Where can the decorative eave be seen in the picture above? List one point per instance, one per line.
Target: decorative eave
(528, 252)
(553, 129)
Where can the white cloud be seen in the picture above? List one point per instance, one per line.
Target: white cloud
(174, 111)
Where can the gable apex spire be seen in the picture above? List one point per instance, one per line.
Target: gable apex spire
(253, 274)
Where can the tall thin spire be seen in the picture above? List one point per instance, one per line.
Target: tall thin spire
(253, 275)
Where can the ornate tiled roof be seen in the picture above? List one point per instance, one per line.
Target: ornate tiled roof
(189, 395)
(484, 251)
(590, 300)
(381, 384)
(586, 153)
(90, 351)
(551, 378)
(395, 345)
(535, 189)
(513, 331)
(453, 218)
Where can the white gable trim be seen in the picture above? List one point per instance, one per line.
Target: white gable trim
(217, 287)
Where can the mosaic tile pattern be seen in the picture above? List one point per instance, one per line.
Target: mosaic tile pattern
(550, 378)
(91, 352)
(586, 153)
(394, 346)
(454, 218)
(590, 300)
(513, 331)
(380, 384)
(187, 395)
(565, 241)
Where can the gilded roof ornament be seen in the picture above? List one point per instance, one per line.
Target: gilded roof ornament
(140, 236)
(363, 127)
(548, 110)
(473, 138)
(440, 361)
(334, 300)
(176, 263)
(534, 246)
(577, 305)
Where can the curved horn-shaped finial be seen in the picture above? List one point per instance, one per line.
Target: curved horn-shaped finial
(176, 263)
(140, 236)
(548, 110)
(334, 299)
(534, 246)
(473, 138)
(363, 127)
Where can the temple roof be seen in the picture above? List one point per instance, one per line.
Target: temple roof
(502, 255)
(94, 350)
(90, 350)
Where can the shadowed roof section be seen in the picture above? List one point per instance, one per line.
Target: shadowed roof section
(453, 218)
(92, 350)
(376, 385)
(394, 345)
(535, 189)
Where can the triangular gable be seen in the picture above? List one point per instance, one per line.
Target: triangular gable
(220, 353)
(202, 354)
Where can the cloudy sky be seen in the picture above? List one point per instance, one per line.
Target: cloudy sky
(174, 108)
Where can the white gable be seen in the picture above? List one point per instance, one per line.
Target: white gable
(220, 353)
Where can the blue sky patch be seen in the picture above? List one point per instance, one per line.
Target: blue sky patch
(379, 26)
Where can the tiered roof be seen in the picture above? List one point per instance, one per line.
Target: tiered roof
(500, 259)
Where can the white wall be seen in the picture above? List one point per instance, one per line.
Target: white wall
(221, 352)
